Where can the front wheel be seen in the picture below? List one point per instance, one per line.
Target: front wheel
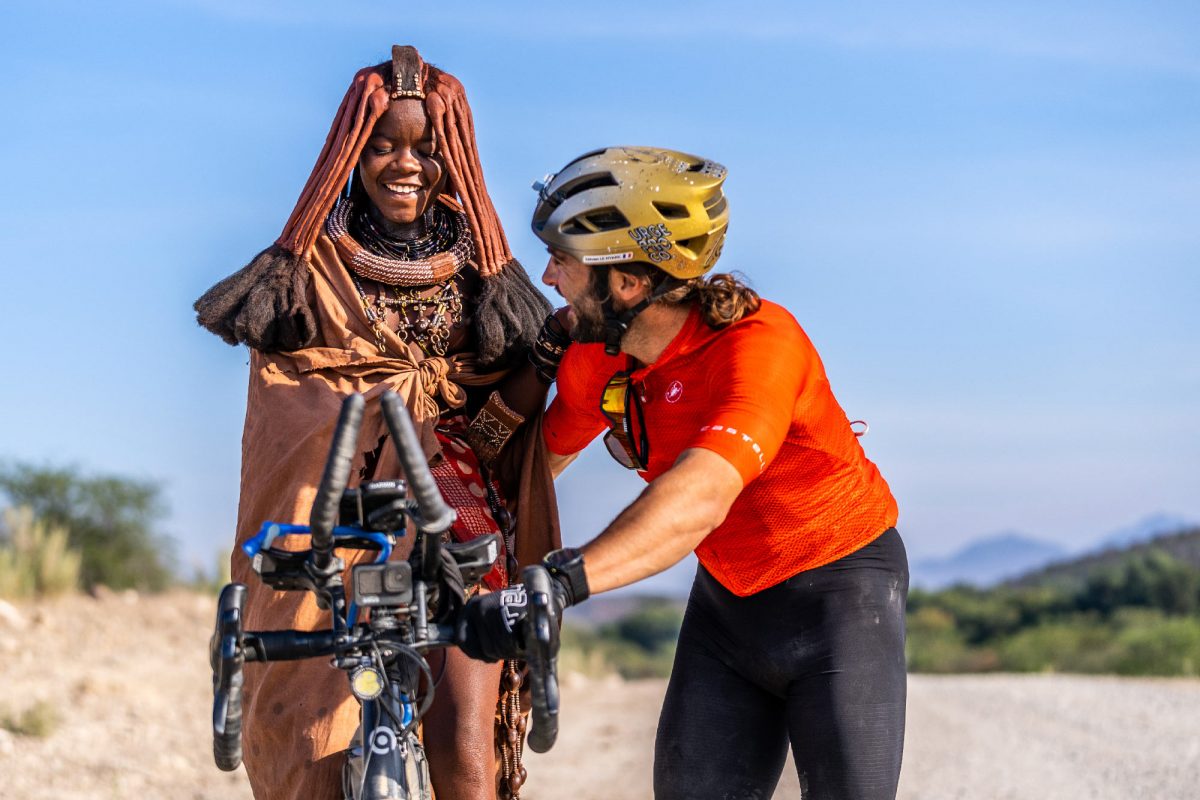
(387, 766)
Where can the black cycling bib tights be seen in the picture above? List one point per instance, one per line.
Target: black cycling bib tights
(817, 660)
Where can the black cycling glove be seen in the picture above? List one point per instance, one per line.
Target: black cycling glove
(492, 626)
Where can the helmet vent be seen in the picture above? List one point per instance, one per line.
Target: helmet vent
(693, 245)
(597, 221)
(671, 210)
(715, 206)
(710, 168)
(586, 183)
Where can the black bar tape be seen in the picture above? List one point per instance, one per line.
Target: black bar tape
(436, 516)
(333, 482)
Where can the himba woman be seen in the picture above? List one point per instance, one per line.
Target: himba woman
(392, 273)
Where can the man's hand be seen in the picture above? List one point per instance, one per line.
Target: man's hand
(492, 626)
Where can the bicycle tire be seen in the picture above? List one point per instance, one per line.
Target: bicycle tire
(409, 780)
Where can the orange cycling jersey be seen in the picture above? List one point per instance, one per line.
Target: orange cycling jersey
(756, 394)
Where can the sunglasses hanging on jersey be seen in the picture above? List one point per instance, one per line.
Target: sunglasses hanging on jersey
(622, 408)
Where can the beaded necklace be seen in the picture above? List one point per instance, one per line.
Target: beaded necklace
(404, 268)
(425, 321)
(439, 235)
(432, 258)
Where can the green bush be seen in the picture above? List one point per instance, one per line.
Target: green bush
(1158, 645)
(653, 625)
(631, 661)
(581, 652)
(932, 640)
(1078, 644)
(110, 520)
(640, 644)
(1133, 617)
(933, 644)
(978, 615)
(35, 559)
(1154, 579)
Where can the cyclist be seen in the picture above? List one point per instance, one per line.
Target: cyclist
(392, 273)
(794, 630)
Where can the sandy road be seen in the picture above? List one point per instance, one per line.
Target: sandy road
(1052, 737)
(995, 737)
(129, 678)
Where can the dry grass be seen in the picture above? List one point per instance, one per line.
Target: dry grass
(35, 559)
(38, 720)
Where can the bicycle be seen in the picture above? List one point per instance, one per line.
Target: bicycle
(411, 608)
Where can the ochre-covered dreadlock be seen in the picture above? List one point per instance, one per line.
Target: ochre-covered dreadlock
(365, 102)
(263, 304)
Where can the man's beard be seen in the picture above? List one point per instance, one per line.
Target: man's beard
(588, 316)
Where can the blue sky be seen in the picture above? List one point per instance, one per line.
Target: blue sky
(986, 218)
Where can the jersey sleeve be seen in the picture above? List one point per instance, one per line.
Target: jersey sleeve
(757, 377)
(574, 418)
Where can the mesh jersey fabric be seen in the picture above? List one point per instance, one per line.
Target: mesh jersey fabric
(756, 394)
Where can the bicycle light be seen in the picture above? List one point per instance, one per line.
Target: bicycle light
(366, 683)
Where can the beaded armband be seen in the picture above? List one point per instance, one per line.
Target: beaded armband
(547, 351)
(492, 427)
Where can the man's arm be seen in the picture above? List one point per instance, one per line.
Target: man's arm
(673, 515)
(559, 463)
(667, 521)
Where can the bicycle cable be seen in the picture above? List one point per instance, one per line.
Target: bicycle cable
(426, 699)
(399, 723)
(441, 672)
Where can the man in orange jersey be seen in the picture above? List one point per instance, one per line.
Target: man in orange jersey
(794, 630)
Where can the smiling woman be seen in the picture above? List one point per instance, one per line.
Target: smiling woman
(392, 273)
(400, 170)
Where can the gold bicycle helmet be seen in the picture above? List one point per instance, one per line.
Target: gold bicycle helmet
(645, 204)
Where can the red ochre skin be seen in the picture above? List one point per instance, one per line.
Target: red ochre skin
(401, 152)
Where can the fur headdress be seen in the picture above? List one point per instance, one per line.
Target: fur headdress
(263, 305)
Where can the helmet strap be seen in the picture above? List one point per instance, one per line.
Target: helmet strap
(616, 323)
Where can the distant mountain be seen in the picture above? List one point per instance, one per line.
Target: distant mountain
(987, 561)
(1183, 545)
(1011, 555)
(1144, 530)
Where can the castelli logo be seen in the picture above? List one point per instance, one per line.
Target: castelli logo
(674, 392)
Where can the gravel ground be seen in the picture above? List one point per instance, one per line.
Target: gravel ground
(128, 678)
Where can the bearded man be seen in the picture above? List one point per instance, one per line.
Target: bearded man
(794, 630)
